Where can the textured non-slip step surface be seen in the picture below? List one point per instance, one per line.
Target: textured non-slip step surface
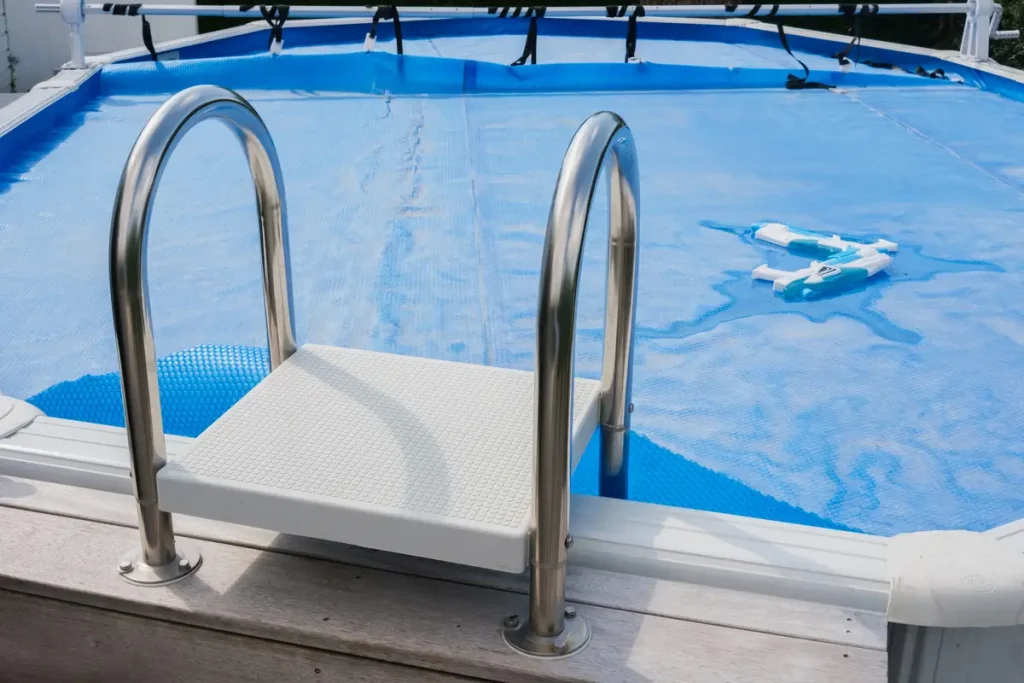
(409, 455)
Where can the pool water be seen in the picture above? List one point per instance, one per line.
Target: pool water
(416, 225)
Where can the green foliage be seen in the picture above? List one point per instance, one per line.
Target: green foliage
(941, 32)
(1011, 52)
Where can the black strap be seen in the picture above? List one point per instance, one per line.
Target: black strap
(795, 82)
(775, 8)
(919, 71)
(631, 31)
(754, 10)
(147, 30)
(855, 19)
(147, 38)
(121, 9)
(879, 65)
(938, 73)
(530, 49)
(132, 10)
(731, 6)
(275, 16)
(530, 11)
(849, 11)
(388, 13)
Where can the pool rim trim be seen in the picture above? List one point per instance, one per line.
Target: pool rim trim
(780, 559)
(840, 568)
(69, 80)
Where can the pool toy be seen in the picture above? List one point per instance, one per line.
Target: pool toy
(844, 264)
(806, 241)
(830, 276)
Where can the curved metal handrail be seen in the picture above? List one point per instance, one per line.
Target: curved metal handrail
(159, 562)
(602, 136)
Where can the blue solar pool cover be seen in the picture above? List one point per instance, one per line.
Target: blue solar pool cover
(416, 228)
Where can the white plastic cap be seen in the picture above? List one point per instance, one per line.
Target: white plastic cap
(72, 11)
(955, 579)
(15, 414)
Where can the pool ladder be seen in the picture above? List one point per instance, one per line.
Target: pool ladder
(547, 631)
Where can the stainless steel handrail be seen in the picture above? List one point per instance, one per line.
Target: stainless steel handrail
(552, 630)
(159, 562)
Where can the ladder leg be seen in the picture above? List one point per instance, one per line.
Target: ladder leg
(553, 629)
(160, 561)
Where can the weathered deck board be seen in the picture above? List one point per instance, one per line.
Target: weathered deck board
(589, 586)
(46, 641)
(407, 620)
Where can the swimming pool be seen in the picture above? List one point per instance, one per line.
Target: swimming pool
(418, 192)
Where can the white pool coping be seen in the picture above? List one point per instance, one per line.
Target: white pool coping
(839, 568)
(772, 558)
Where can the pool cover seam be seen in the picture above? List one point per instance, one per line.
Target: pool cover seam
(771, 60)
(433, 46)
(490, 352)
(911, 129)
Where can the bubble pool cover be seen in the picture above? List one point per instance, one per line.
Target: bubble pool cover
(416, 228)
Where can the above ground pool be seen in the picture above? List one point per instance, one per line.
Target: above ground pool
(418, 189)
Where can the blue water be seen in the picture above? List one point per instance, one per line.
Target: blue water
(416, 228)
(855, 302)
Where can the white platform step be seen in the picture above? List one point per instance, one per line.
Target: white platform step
(408, 455)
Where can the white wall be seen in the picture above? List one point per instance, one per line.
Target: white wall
(925, 654)
(39, 42)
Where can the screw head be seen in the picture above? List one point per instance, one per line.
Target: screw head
(125, 566)
(631, 407)
(568, 541)
(184, 565)
(570, 612)
(561, 645)
(511, 621)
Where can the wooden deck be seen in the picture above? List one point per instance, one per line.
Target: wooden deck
(269, 607)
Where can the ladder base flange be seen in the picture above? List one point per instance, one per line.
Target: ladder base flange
(135, 570)
(573, 638)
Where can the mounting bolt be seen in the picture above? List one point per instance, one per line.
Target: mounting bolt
(125, 566)
(570, 612)
(561, 645)
(568, 541)
(631, 407)
(184, 565)
(512, 621)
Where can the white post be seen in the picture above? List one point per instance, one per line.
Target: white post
(977, 28)
(73, 14)
(995, 33)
